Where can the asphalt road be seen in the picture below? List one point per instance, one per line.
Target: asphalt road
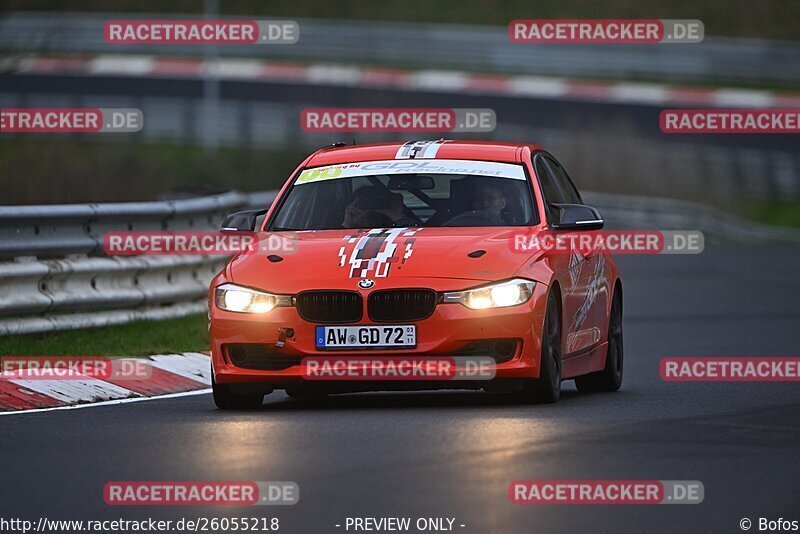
(454, 454)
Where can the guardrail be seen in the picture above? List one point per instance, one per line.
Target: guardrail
(61, 230)
(54, 276)
(637, 212)
(470, 47)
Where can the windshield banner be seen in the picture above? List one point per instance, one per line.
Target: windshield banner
(439, 166)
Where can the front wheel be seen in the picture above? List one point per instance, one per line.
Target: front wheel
(547, 388)
(226, 399)
(610, 378)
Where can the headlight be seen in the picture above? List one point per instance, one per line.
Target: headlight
(499, 295)
(235, 298)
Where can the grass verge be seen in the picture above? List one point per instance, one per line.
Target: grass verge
(785, 214)
(186, 334)
(71, 170)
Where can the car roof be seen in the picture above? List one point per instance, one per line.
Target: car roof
(447, 149)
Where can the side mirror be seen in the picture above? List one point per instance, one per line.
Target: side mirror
(242, 221)
(576, 217)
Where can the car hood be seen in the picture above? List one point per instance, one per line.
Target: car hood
(443, 258)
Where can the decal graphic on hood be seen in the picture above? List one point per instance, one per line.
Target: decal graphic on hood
(372, 252)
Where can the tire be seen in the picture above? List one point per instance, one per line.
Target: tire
(547, 388)
(610, 378)
(225, 399)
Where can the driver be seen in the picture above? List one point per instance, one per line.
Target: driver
(488, 203)
(489, 199)
(376, 201)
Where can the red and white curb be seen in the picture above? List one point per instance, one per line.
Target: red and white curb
(171, 374)
(398, 79)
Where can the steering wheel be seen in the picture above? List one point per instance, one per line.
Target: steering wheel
(475, 218)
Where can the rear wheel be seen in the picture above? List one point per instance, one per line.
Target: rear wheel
(227, 399)
(547, 388)
(610, 378)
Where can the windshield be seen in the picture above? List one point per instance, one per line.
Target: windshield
(386, 194)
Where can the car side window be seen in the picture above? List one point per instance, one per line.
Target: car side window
(552, 193)
(571, 195)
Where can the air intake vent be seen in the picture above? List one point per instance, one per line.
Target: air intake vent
(262, 357)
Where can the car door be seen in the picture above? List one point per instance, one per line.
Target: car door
(568, 267)
(588, 293)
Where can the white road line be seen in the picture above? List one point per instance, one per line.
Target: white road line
(743, 98)
(333, 74)
(438, 80)
(121, 64)
(640, 93)
(414, 80)
(240, 68)
(111, 402)
(538, 86)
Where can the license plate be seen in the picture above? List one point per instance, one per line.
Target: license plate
(366, 337)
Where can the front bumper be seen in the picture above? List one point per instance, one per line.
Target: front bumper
(450, 328)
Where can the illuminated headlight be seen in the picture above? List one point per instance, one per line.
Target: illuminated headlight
(240, 299)
(499, 295)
